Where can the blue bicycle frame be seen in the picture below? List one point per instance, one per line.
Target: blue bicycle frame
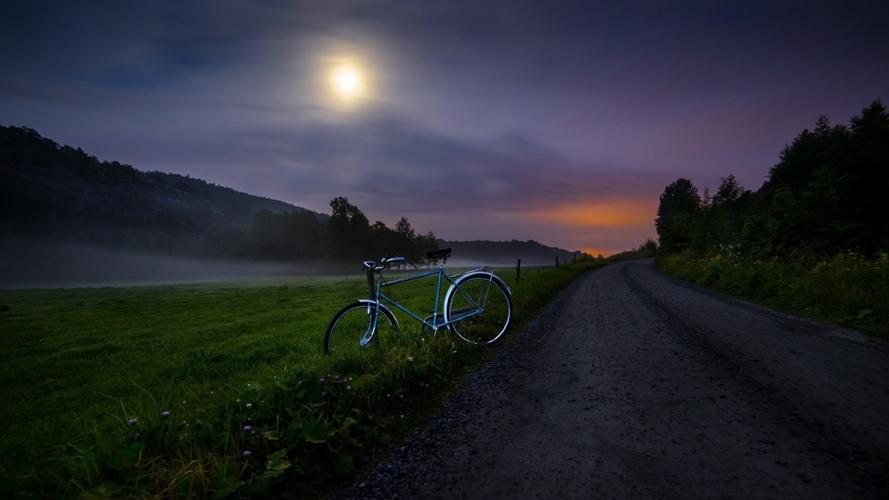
(438, 319)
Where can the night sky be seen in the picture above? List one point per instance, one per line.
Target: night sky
(560, 122)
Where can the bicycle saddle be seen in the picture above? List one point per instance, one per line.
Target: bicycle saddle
(443, 253)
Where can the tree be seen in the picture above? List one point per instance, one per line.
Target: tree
(407, 240)
(729, 192)
(404, 229)
(867, 190)
(679, 203)
(347, 233)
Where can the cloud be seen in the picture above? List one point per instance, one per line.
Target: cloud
(395, 165)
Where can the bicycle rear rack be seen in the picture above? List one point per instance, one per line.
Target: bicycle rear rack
(483, 269)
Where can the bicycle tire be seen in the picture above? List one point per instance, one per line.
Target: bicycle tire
(489, 326)
(340, 334)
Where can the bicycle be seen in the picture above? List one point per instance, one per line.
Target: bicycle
(477, 306)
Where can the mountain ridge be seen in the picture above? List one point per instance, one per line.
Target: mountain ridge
(52, 190)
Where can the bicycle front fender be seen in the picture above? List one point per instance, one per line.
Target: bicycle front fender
(383, 308)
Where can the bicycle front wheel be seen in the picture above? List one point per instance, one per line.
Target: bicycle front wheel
(480, 309)
(352, 330)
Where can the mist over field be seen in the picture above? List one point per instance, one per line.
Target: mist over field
(39, 265)
(27, 264)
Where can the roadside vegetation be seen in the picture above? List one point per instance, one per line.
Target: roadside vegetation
(214, 389)
(812, 240)
(845, 289)
(646, 250)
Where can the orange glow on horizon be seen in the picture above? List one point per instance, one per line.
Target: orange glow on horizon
(604, 252)
(612, 213)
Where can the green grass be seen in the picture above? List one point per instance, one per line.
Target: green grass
(78, 363)
(846, 289)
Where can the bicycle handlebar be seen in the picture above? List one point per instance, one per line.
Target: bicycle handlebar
(384, 263)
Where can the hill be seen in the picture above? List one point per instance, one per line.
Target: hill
(506, 252)
(49, 191)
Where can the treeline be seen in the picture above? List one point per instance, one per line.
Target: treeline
(812, 240)
(647, 249)
(506, 252)
(828, 193)
(346, 235)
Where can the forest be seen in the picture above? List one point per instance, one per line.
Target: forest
(813, 237)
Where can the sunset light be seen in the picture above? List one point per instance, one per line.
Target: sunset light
(606, 213)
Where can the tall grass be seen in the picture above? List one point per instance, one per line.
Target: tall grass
(212, 390)
(847, 289)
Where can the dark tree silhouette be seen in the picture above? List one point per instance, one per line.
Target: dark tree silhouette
(346, 234)
(675, 215)
(829, 192)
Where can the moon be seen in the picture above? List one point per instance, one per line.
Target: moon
(347, 81)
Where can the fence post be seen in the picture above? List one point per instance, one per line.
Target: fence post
(557, 261)
(518, 270)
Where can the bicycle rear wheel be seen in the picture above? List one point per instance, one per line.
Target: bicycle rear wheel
(480, 308)
(351, 331)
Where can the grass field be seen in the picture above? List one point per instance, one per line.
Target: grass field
(239, 368)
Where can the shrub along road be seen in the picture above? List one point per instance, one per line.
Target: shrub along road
(632, 384)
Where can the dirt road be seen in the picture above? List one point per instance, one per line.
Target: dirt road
(632, 384)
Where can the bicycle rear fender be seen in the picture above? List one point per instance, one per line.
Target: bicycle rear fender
(450, 293)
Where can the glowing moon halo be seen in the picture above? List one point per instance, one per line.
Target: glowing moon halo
(347, 81)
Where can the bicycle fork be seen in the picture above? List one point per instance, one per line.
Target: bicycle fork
(373, 310)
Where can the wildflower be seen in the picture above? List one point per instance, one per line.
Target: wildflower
(410, 358)
(247, 453)
(132, 421)
(249, 405)
(248, 428)
(165, 413)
